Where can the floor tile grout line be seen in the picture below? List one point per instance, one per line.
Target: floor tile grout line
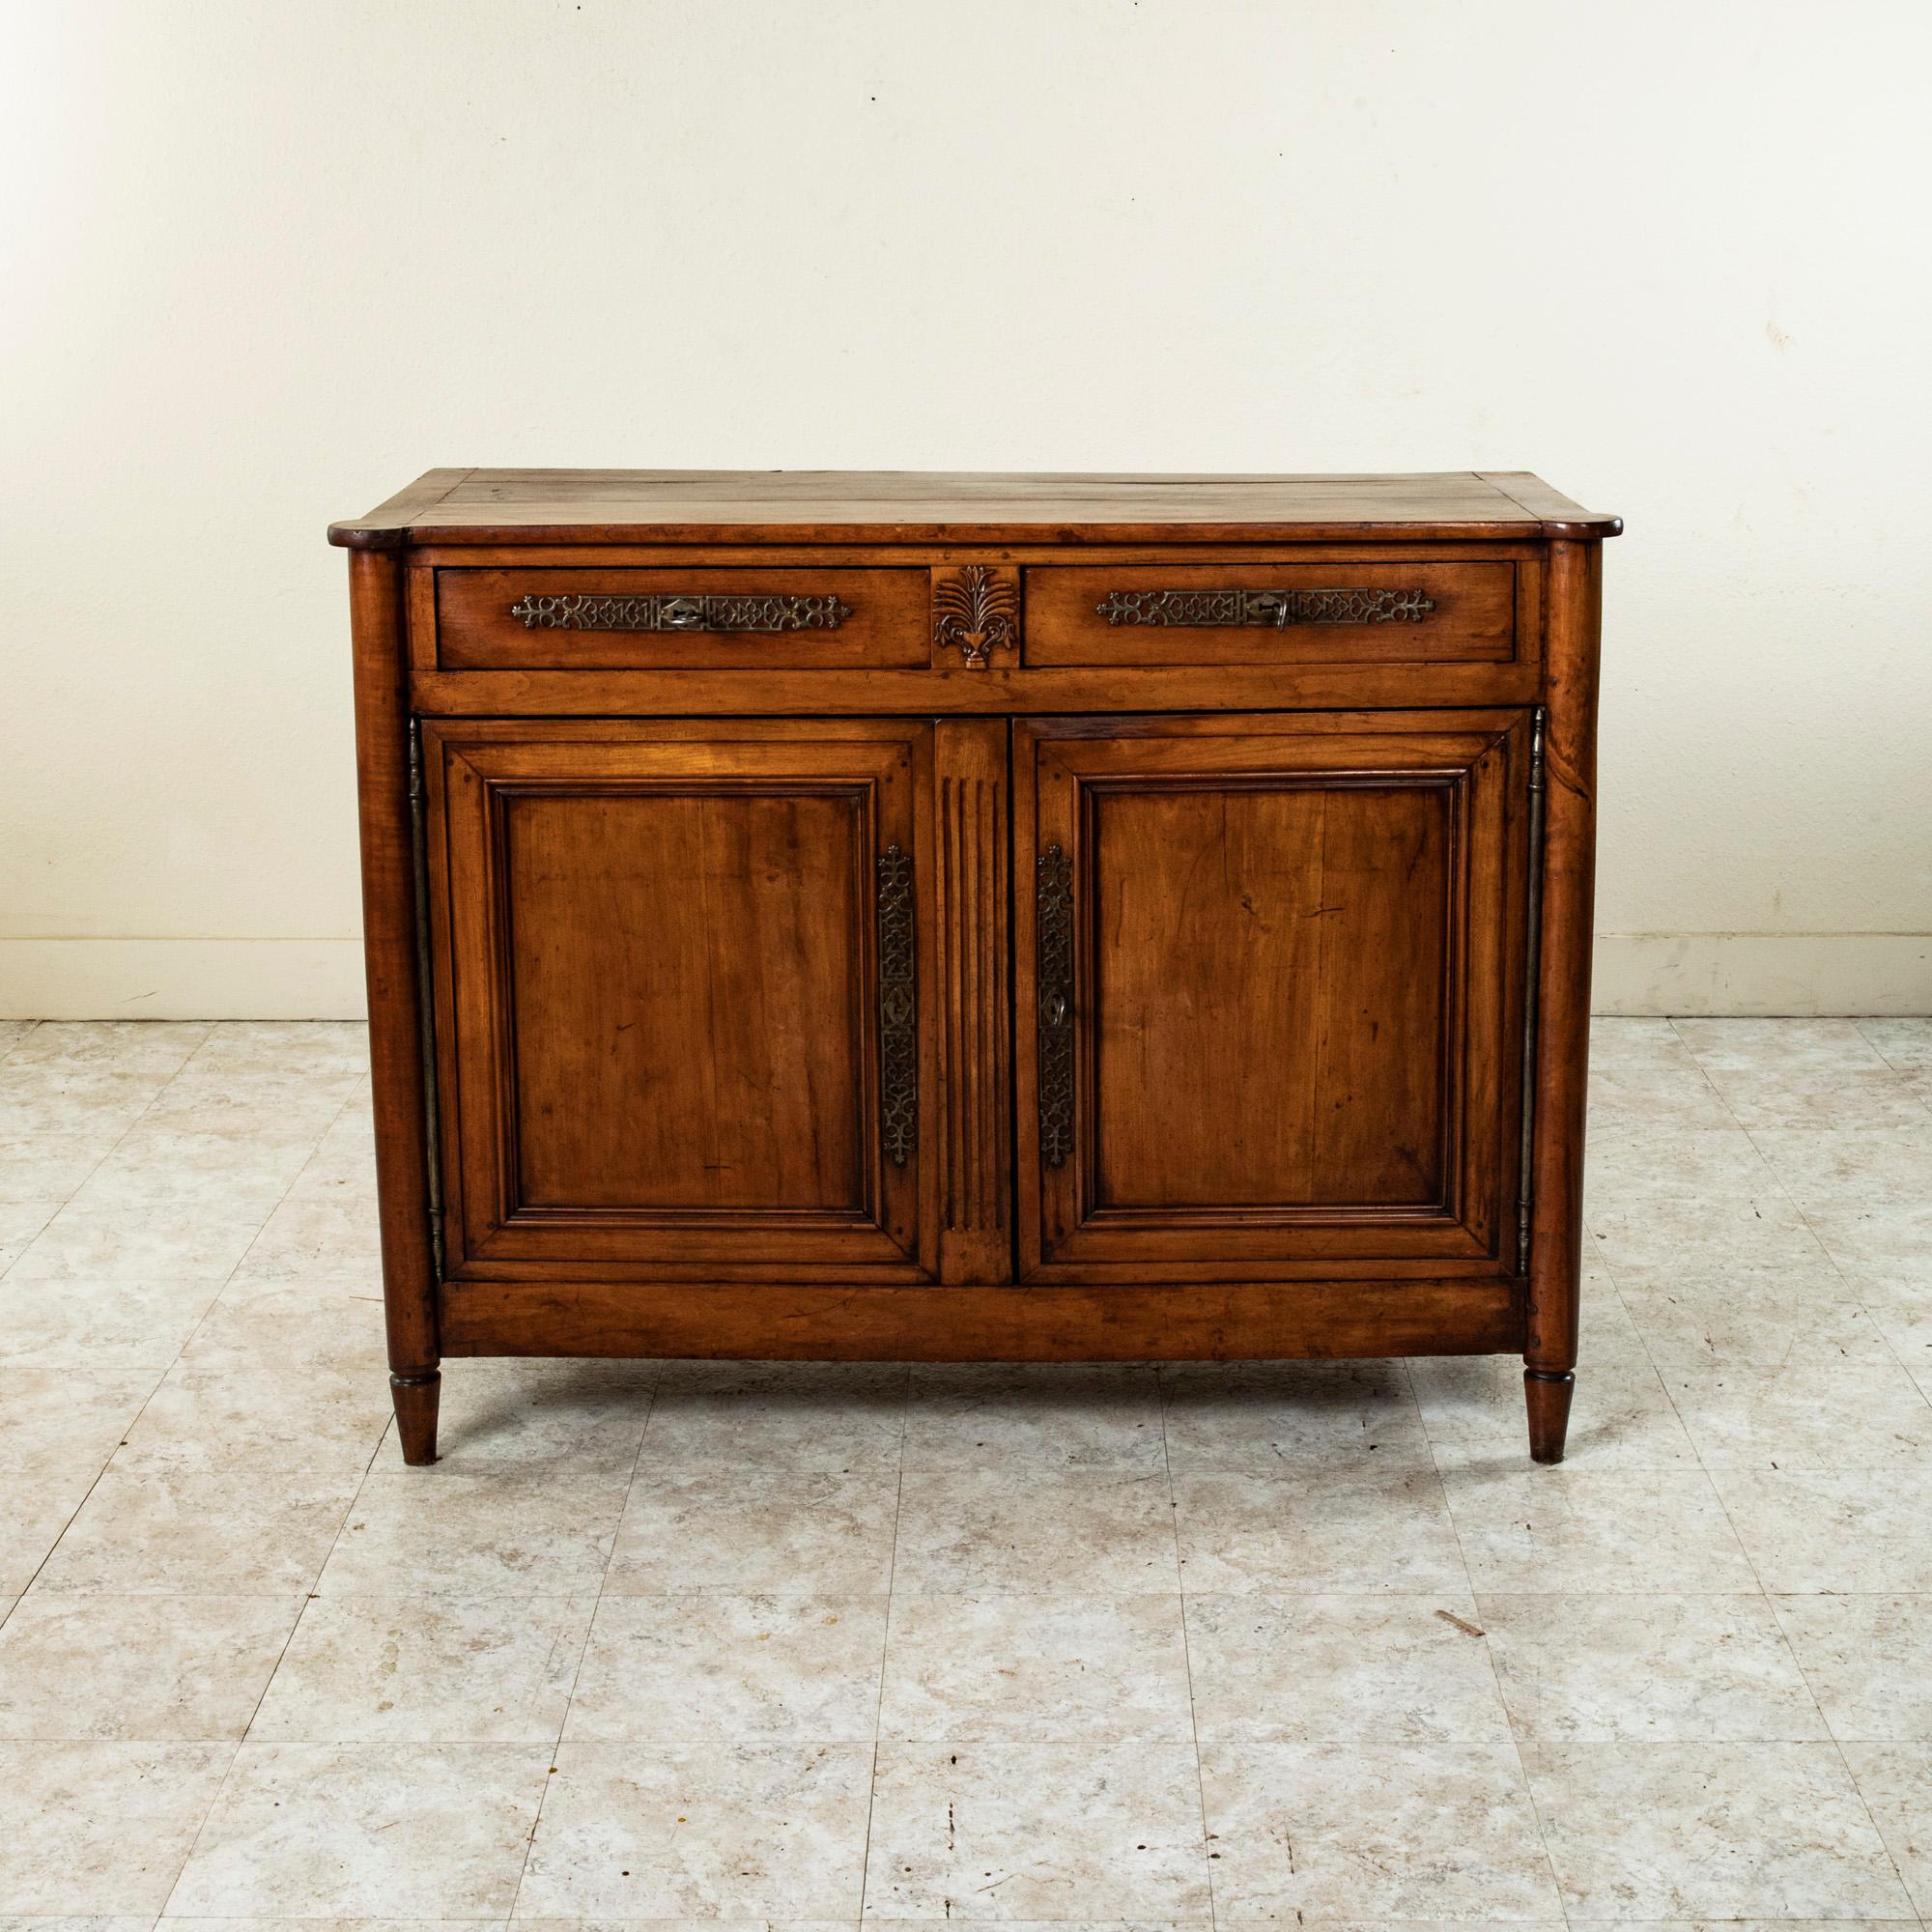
(1830, 1259)
(53, 1213)
(638, 1461)
(348, 1508)
(228, 1280)
(1831, 1737)
(1703, 1072)
(1861, 1021)
(1188, 1649)
(163, 1373)
(1710, 1482)
(235, 1749)
(281, 1201)
(161, 1376)
(1664, 1382)
(1791, 1650)
(1598, 1258)
(87, 1494)
(108, 1152)
(1824, 1716)
(584, 1649)
(303, 1601)
(1743, 1371)
(310, 1596)
(1523, 1767)
(1665, 1367)
(884, 1647)
(1675, 1022)
(1710, 1479)
(201, 1825)
(1502, 1702)
(1660, 1372)
(1922, 1091)
(1617, 1288)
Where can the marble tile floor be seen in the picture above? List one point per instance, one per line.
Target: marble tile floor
(831, 1644)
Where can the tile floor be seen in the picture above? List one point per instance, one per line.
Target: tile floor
(827, 1643)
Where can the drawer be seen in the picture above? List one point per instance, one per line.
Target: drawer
(1275, 613)
(681, 619)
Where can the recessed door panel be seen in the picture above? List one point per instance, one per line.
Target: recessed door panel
(1266, 1020)
(680, 979)
(1262, 946)
(685, 975)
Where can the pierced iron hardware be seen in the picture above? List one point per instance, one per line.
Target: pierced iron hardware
(1534, 958)
(733, 611)
(1053, 932)
(899, 1010)
(1272, 609)
(976, 613)
(425, 997)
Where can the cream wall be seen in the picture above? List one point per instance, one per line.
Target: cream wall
(265, 262)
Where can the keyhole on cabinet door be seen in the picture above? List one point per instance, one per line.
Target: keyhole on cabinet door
(1056, 1009)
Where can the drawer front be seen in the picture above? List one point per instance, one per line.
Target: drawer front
(681, 619)
(1273, 614)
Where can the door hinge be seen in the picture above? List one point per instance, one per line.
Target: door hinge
(1533, 960)
(425, 998)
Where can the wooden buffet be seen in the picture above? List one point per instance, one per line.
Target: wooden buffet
(958, 916)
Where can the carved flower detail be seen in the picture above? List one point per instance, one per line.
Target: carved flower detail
(976, 611)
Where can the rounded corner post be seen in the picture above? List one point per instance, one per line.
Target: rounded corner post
(391, 958)
(1563, 988)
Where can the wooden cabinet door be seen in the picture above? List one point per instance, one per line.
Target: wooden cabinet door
(1269, 993)
(681, 970)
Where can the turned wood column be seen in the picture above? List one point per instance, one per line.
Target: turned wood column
(395, 1011)
(1563, 1028)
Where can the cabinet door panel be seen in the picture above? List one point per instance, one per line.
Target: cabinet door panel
(678, 1033)
(1289, 1016)
(1246, 932)
(645, 924)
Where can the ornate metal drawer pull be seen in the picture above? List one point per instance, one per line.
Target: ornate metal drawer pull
(1274, 610)
(899, 1010)
(732, 610)
(1053, 933)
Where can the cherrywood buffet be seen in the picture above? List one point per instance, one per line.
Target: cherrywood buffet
(956, 917)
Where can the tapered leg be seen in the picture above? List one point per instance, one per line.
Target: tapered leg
(415, 1398)
(1548, 1392)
